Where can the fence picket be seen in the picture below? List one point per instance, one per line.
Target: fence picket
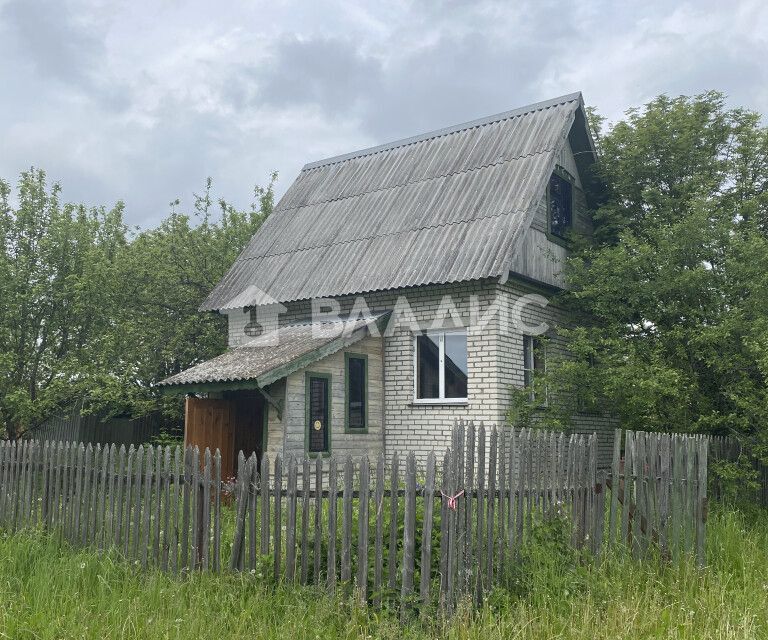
(393, 521)
(317, 546)
(409, 531)
(206, 524)
(426, 536)
(362, 529)
(333, 501)
(378, 552)
(346, 522)
(305, 483)
(264, 490)
(278, 522)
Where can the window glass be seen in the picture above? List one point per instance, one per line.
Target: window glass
(441, 366)
(428, 366)
(559, 205)
(455, 365)
(356, 379)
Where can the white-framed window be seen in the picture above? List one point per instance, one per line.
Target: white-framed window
(440, 366)
(534, 365)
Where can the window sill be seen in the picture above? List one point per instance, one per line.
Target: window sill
(440, 403)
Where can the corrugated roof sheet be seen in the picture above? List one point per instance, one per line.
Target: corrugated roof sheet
(271, 356)
(445, 206)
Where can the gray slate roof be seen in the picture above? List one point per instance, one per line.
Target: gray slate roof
(268, 357)
(441, 207)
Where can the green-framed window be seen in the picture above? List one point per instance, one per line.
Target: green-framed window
(356, 393)
(560, 207)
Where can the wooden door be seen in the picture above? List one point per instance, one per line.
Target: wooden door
(211, 423)
(318, 414)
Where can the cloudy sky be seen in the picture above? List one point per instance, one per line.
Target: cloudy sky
(140, 101)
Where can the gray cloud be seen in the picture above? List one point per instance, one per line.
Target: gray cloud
(141, 101)
(49, 37)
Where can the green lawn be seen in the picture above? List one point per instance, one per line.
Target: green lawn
(48, 591)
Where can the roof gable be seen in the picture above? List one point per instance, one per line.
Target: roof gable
(441, 207)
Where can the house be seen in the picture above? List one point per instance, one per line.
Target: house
(396, 289)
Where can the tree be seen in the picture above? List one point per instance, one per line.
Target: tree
(673, 287)
(92, 311)
(56, 264)
(165, 274)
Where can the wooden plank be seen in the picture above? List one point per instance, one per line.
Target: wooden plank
(346, 523)
(482, 474)
(138, 482)
(305, 485)
(626, 530)
(511, 489)
(362, 530)
(149, 470)
(596, 520)
(206, 525)
(106, 487)
(445, 493)
(615, 486)
(186, 507)
(393, 522)
(167, 506)
(264, 491)
(701, 502)
(278, 521)
(501, 519)
(77, 493)
(691, 493)
(4, 444)
(290, 529)
(46, 448)
(196, 504)
(426, 534)
(378, 552)
(492, 467)
(318, 521)
(157, 503)
(121, 490)
(90, 499)
(470, 573)
(253, 484)
(241, 497)
(664, 491)
(216, 511)
(332, 522)
(409, 531)
(451, 541)
(522, 478)
(176, 497)
(461, 516)
(84, 488)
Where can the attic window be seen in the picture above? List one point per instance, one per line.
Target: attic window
(560, 206)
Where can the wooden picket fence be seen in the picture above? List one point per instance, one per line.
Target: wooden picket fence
(388, 531)
(660, 499)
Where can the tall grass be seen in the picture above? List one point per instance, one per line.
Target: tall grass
(50, 591)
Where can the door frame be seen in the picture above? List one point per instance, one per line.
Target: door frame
(328, 399)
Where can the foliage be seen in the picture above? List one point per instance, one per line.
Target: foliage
(93, 309)
(672, 287)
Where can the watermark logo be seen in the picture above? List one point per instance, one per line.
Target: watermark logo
(266, 318)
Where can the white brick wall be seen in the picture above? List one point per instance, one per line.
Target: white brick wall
(495, 363)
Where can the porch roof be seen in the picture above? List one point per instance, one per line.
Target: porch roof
(272, 355)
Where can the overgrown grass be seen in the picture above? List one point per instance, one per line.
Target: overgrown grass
(49, 591)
